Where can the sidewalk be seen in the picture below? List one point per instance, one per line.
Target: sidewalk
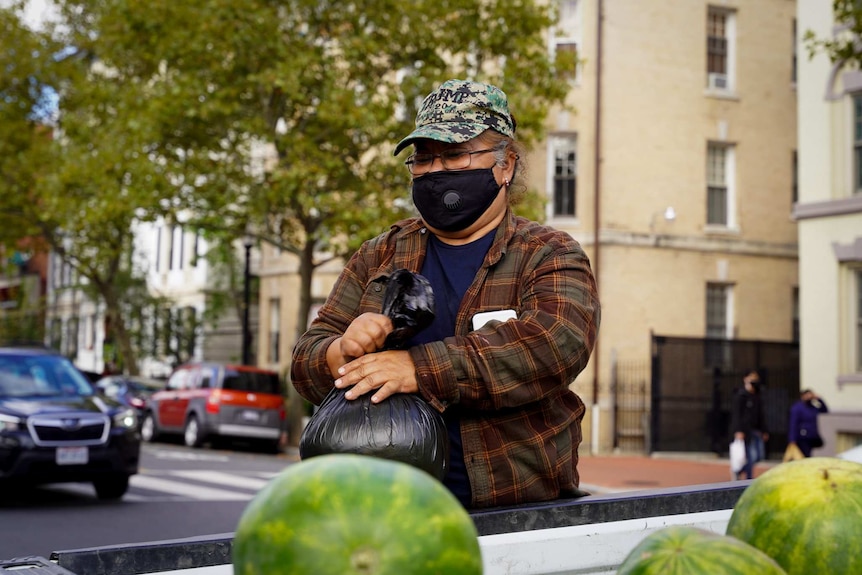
(614, 473)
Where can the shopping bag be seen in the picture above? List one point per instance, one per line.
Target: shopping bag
(792, 453)
(737, 455)
(403, 427)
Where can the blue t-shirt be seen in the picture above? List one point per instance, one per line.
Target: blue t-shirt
(450, 270)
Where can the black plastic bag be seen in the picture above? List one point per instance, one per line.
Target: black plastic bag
(403, 427)
(409, 302)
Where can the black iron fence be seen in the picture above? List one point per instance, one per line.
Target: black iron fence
(693, 382)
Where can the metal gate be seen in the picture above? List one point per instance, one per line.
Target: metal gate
(630, 404)
(693, 384)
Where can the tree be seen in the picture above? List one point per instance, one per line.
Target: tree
(845, 48)
(280, 117)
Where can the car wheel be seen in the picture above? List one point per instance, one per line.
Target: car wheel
(111, 487)
(149, 431)
(192, 433)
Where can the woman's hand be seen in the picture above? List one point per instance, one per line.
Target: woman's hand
(388, 372)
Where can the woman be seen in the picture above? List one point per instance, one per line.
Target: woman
(517, 311)
(803, 429)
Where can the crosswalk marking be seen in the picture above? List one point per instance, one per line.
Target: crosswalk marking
(222, 478)
(184, 485)
(192, 491)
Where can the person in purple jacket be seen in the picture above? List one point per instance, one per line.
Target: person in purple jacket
(803, 422)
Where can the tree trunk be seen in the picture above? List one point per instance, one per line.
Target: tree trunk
(122, 337)
(296, 403)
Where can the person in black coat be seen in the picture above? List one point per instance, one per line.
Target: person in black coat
(749, 422)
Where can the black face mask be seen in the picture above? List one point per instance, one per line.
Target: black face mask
(453, 201)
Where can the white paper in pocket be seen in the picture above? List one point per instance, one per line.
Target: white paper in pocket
(484, 317)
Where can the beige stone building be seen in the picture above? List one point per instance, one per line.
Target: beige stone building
(682, 150)
(829, 213)
(675, 170)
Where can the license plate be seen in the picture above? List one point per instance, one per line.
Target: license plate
(250, 416)
(72, 455)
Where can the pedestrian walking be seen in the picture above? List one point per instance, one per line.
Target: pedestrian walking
(749, 422)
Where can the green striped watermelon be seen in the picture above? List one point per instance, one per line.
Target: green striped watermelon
(347, 514)
(685, 550)
(806, 514)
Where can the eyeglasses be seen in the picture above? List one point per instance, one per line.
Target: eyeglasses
(420, 164)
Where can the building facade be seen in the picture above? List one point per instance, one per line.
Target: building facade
(676, 172)
(829, 216)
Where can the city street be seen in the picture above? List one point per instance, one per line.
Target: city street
(178, 493)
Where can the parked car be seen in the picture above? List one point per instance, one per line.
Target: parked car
(130, 390)
(55, 428)
(210, 401)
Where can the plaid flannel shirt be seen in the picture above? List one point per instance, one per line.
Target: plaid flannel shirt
(509, 381)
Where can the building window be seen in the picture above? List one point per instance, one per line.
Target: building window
(91, 331)
(176, 254)
(196, 248)
(719, 180)
(795, 58)
(857, 144)
(719, 48)
(158, 249)
(565, 175)
(566, 37)
(274, 329)
(859, 320)
(718, 310)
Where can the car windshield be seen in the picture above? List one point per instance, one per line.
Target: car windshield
(40, 375)
(254, 381)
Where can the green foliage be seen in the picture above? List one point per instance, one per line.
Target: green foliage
(844, 48)
(279, 117)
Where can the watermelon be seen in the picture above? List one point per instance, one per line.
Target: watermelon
(347, 514)
(805, 514)
(685, 550)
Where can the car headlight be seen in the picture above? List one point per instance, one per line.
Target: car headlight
(126, 419)
(9, 423)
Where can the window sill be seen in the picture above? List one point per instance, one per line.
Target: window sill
(721, 94)
(849, 379)
(721, 230)
(564, 221)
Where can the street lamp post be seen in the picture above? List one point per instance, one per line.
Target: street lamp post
(248, 242)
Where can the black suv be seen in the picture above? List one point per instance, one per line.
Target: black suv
(55, 428)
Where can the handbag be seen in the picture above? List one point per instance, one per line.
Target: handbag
(737, 455)
(792, 453)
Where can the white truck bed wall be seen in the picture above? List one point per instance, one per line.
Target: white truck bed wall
(583, 536)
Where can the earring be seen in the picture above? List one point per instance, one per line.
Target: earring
(506, 182)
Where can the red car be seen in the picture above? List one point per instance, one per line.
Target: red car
(209, 401)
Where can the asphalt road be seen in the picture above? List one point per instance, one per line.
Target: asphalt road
(179, 492)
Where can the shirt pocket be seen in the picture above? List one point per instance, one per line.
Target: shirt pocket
(372, 297)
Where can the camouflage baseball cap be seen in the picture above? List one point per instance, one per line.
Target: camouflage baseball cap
(460, 110)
